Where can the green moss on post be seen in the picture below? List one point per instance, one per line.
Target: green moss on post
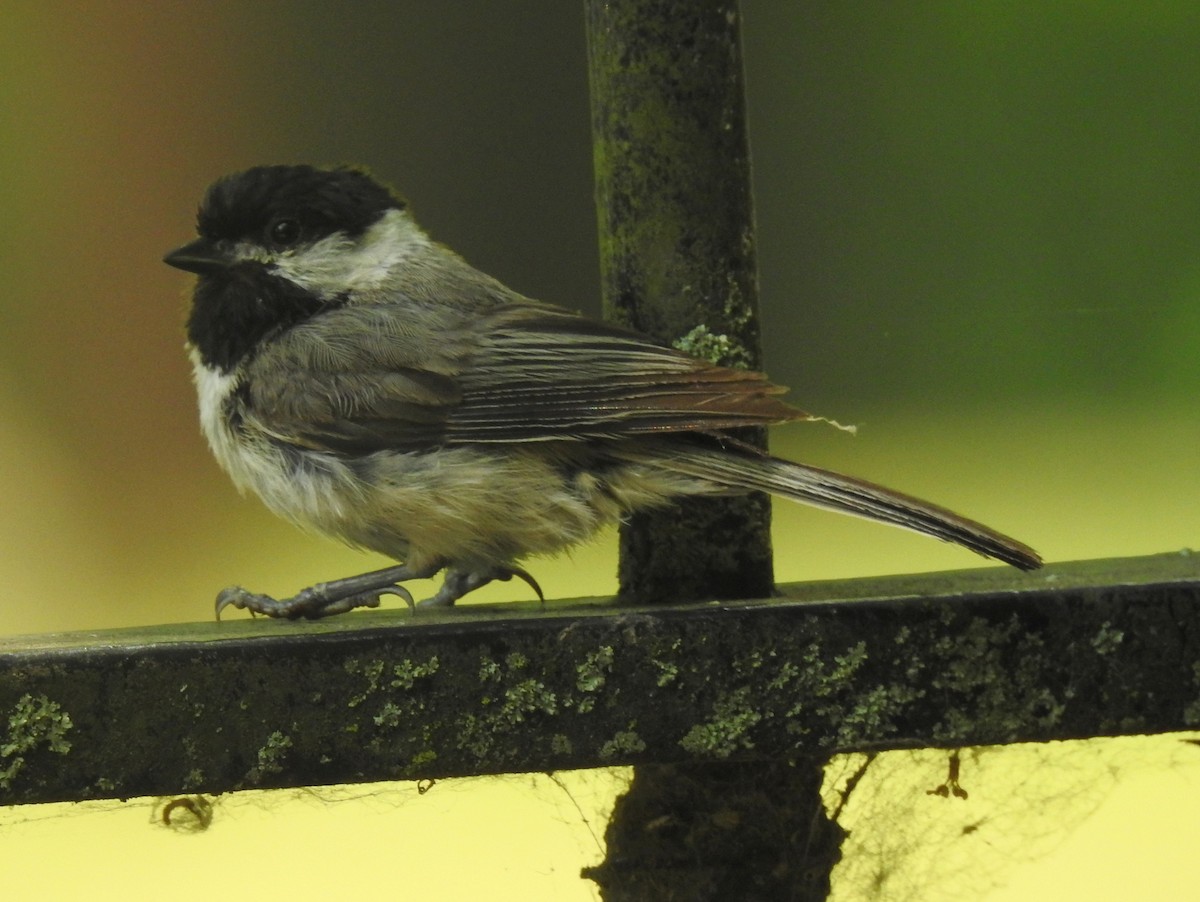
(677, 255)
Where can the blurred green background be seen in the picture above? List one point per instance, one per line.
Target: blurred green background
(978, 240)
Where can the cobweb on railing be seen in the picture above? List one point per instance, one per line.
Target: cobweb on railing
(936, 824)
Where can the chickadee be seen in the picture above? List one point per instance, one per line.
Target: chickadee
(368, 383)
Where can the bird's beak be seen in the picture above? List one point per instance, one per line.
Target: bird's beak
(199, 257)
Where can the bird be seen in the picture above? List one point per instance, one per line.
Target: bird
(367, 383)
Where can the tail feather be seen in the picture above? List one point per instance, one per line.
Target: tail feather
(848, 495)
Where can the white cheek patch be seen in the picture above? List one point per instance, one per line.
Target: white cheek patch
(337, 264)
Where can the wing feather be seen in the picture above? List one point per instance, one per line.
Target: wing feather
(519, 372)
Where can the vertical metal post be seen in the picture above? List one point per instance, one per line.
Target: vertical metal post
(677, 261)
(677, 257)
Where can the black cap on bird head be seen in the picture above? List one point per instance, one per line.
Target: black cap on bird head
(247, 204)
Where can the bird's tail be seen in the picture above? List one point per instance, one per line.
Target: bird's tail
(848, 495)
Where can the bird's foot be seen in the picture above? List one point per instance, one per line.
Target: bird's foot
(325, 599)
(342, 595)
(458, 582)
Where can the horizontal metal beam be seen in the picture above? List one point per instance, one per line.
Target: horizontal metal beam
(974, 657)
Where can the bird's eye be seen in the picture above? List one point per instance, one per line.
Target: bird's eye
(284, 232)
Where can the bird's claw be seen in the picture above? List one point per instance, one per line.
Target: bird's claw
(523, 575)
(458, 583)
(402, 593)
(310, 603)
(340, 596)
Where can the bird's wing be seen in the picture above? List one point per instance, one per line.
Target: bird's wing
(516, 372)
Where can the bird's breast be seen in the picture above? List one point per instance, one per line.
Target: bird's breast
(311, 489)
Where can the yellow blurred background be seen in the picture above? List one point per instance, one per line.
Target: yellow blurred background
(979, 241)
